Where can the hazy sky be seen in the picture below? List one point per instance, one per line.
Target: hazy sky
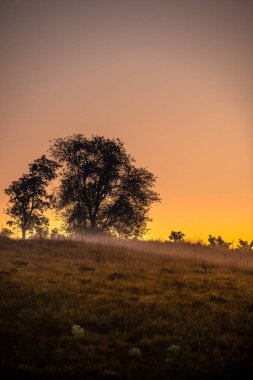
(172, 79)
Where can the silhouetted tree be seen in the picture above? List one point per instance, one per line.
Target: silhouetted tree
(28, 196)
(212, 240)
(55, 234)
(40, 229)
(177, 236)
(100, 188)
(5, 232)
(218, 242)
(245, 245)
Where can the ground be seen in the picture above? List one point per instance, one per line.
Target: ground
(117, 310)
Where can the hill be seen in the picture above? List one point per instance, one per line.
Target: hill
(122, 310)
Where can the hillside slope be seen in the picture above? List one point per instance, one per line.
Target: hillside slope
(189, 315)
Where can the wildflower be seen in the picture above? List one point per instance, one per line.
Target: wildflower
(173, 348)
(171, 354)
(110, 374)
(134, 352)
(77, 331)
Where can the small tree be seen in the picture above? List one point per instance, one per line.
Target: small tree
(218, 242)
(55, 234)
(5, 232)
(28, 197)
(177, 237)
(212, 240)
(40, 228)
(245, 245)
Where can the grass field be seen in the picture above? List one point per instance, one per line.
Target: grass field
(141, 310)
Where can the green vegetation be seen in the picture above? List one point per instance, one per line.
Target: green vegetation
(122, 310)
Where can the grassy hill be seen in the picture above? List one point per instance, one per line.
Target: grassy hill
(117, 310)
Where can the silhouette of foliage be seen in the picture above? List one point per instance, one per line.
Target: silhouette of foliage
(245, 245)
(212, 240)
(28, 197)
(41, 228)
(55, 234)
(5, 232)
(217, 242)
(177, 236)
(100, 189)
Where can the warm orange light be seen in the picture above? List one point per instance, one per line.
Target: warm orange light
(158, 75)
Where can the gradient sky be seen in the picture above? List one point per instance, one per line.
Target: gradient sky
(172, 79)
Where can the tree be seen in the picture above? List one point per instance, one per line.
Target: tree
(245, 245)
(100, 189)
(40, 228)
(5, 233)
(218, 242)
(28, 196)
(212, 240)
(177, 236)
(55, 234)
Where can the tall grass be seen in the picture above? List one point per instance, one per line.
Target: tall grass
(109, 309)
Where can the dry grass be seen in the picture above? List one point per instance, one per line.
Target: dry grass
(145, 295)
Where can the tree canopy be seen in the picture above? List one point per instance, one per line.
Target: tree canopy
(101, 189)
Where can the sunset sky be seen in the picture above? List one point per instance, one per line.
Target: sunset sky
(172, 79)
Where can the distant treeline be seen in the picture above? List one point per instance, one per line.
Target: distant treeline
(213, 241)
(175, 237)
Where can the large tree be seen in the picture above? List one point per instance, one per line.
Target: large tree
(100, 188)
(28, 196)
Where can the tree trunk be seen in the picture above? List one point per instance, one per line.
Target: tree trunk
(93, 225)
(23, 232)
(93, 222)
